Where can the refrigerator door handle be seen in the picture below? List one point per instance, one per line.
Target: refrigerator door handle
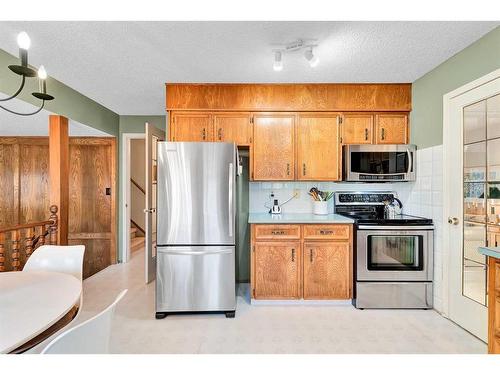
(230, 197)
(209, 252)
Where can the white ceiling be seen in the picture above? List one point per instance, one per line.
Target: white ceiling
(124, 65)
(37, 125)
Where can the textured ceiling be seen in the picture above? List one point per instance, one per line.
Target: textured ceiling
(123, 65)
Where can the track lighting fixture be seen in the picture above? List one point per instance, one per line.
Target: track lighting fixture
(278, 62)
(298, 45)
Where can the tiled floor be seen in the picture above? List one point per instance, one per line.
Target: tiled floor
(265, 329)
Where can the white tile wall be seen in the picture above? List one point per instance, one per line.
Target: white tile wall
(424, 197)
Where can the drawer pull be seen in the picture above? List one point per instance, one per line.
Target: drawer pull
(322, 231)
(278, 232)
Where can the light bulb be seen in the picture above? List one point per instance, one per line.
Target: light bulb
(23, 40)
(313, 60)
(278, 62)
(42, 73)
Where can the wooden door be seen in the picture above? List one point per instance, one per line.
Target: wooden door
(318, 147)
(327, 270)
(276, 270)
(191, 127)
(91, 201)
(273, 148)
(233, 127)
(357, 128)
(391, 128)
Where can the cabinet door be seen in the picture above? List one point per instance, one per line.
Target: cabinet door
(233, 127)
(327, 273)
(357, 128)
(276, 270)
(391, 128)
(318, 147)
(273, 148)
(191, 127)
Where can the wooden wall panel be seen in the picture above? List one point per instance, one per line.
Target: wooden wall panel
(90, 208)
(289, 97)
(7, 168)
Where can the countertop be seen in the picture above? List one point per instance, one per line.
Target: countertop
(490, 251)
(289, 218)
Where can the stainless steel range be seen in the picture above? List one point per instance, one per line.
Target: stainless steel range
(393, 257)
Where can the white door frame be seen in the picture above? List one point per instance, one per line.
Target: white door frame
(126, 209)
(447, 210)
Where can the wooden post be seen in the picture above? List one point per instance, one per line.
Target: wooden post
(53, 227)
(28, 245)
(59, 172)
(16, 237)
(2, 252)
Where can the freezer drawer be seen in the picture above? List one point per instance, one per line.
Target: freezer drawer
(195, 278)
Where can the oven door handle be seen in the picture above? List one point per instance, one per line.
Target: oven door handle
(394, 228)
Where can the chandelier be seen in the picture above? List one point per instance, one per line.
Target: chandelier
(24, 42)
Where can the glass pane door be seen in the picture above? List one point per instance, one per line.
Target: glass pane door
(481, 187)
(386, 253)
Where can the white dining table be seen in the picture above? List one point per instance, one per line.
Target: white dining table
(31, 302)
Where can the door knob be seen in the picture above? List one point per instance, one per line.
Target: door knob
(453, 220)
(151, 210)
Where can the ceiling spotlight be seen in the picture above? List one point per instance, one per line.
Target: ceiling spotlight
(313, 60)
(278, 62)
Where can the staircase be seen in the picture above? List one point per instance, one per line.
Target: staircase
(137, 240)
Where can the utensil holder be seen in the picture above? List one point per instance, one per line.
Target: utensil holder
(320, 207)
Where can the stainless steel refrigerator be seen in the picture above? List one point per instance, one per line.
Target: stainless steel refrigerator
(195, 269)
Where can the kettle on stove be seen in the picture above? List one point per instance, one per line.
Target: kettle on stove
(392, 208)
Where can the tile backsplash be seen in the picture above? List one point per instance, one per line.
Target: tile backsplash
(423, 197)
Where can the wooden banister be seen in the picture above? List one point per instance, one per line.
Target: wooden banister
(26, 238)
(137, 185)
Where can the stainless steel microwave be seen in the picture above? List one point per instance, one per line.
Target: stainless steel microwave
(379, 163)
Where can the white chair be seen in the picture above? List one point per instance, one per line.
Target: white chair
(89, 337)
(65, 259)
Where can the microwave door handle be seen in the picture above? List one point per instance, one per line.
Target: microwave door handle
(410, 160)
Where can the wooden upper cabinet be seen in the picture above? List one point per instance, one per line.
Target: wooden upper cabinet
(357, 128)
(233, 127)
(327, 270)
(318, 147)
(191, 127)
(391, 128)
(276, 270)
(273, 147)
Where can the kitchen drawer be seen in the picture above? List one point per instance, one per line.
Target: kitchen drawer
(270, 232)
(326, 232)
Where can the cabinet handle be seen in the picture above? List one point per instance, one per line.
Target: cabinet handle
(293, 255)
(383, 133)
(219, 134)
(204, 134)
(322, 231)
(366, 134)
(288, 169)
(304, 169)
(277, 232)
(311, 255)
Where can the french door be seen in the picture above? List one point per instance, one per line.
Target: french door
(153, 136)
(472, 200)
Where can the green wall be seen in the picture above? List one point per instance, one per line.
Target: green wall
(68, 102)
(130, 124)
(480, 58)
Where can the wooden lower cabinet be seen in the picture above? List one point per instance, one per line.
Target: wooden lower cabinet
(304, 268)
(327, 270)
(277, 266)
(494, 305)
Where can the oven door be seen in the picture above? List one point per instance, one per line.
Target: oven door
(379, 162)
(387, 253)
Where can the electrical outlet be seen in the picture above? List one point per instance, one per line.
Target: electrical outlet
(296, 192)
